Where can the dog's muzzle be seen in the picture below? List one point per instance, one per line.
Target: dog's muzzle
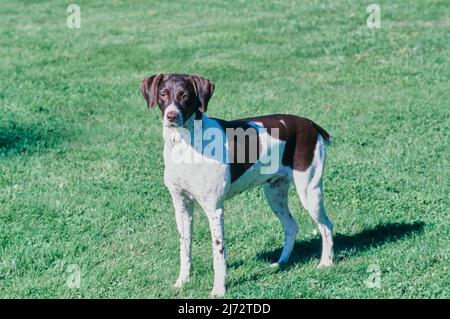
(172, 117)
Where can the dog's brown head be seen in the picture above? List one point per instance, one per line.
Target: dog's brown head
(179, 96)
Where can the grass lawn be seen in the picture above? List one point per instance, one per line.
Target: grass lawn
(81, 168)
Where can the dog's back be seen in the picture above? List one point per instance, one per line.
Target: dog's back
(299, 134)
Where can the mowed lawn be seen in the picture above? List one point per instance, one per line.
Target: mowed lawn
(81, 168)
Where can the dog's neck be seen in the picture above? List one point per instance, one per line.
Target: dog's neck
(174, 135)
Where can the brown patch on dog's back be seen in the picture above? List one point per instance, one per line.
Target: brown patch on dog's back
(300, 135)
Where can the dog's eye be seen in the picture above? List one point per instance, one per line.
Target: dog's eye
(182, 95)
(163, 95)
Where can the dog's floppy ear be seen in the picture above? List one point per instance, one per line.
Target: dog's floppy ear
(149, 87)
(204, 89)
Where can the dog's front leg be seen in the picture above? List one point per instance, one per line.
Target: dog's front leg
(183, 215)
(216, 224)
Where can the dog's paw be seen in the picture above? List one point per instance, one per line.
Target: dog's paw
(217, 292)
(180, 282)
(325, 264)
(279, 264)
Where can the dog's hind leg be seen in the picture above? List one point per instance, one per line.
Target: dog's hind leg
(276, 192)
(309, 188)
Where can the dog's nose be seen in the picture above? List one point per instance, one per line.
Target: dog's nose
(172, 116)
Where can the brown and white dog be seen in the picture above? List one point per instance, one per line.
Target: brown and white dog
(209, 160)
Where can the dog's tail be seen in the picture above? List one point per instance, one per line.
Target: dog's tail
(322, 132)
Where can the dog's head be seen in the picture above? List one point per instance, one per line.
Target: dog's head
(179, 96)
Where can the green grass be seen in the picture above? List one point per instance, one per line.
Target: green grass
(81, 159)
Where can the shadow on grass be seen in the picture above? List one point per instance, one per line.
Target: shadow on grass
(17, 140)
(347, 245)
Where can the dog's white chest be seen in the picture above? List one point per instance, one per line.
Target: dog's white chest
(187, 170)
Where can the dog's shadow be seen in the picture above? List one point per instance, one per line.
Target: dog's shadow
(346, 245)
(20, 139)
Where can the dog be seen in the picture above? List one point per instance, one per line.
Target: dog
(273, 151)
